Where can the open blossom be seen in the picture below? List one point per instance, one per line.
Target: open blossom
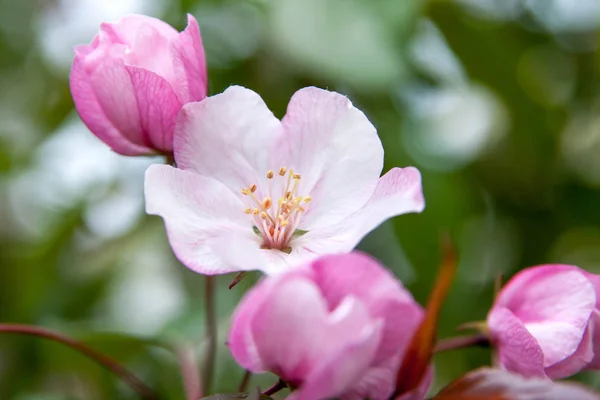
(544, 321)
(254, 192)
(129, 84)
(336, 327)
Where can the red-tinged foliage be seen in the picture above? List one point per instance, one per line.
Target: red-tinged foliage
(496, 384)
(420, 351)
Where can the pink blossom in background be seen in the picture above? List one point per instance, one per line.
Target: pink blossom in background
(542, 322)
(336, 327)
(129, 84)
(595, 322)
(253, 192)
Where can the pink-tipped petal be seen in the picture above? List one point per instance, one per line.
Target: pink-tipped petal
(198, 211)
(157, 106)
(94, 117)
(336, 373)
(595, 325)
(240, 339)
(227, 137)
(189, 63)
(294, 348)
(576, 361)
(118, 99)
(132, 27)
(398, 192)
(337, 151)
(518, 350)
(363, 277)
(554, 302)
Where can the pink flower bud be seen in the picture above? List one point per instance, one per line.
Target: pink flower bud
(542, 322)
(130, 82)
(337, 327)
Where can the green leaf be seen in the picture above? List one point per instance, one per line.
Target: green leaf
(298, 233)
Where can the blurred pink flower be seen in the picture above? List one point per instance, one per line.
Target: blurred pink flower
(254, 192)
(542, 322)
(129, 84)
(337, 327)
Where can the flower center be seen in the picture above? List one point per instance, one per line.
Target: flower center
(277, 223)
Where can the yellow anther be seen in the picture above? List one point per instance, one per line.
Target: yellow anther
(282, 171)
(307, 199)
(245, 191)
(252, 188)
(248, 211)
(296, 176)
(270, 174)
(264, 215)
(300, 209)
(267, 202)
(255, 211)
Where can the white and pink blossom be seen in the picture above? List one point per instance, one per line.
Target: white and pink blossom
(253, 192)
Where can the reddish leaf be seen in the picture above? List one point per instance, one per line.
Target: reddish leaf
(496, 384)
(420, 351)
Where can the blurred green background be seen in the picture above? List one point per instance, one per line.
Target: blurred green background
(495, 101)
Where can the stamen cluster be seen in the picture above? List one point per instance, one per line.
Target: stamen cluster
(277, 225)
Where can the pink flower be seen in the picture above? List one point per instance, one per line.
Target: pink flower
(129, 84)
(337, 327)
(254, 192)
(540, 322)
(595, 322)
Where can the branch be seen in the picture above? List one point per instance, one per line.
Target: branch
(105, 361)
(461, 342)
(208, 364)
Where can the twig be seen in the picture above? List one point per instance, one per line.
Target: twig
(245, 381)
(461, 342)
(189, 372)
(280, 385)
(208, 365)
(105, 361)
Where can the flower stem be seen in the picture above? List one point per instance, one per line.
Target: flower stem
(208, 364)
(134, 383)
(461, 342)
(189, 372)
(280, 385)
(245, 381)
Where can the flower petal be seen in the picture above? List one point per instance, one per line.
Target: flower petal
(198, 211)
(360, 275)
(240, 339)
(595, 325)
(117, 99)
(227, 137)
(148, 41)
(337, 151)
(518, 350)
(398, 192)
(293, 349)
(554, 302)
(575, 362)
(157, 106)
(189, 63)
(338, 373)
(94, 117)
